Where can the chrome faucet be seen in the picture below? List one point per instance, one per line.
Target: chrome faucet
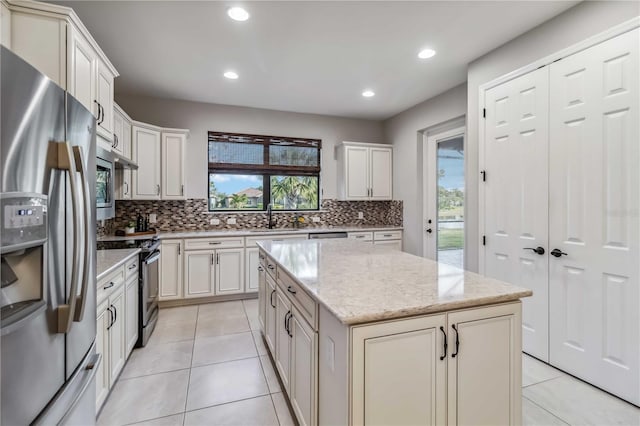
(270, 219)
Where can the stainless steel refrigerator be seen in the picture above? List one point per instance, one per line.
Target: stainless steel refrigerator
(48, 294)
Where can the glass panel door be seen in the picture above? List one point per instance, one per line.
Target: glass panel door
(450, 201)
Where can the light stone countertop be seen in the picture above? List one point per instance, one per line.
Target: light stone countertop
(360, 282)
(109, 260)
(252, 232)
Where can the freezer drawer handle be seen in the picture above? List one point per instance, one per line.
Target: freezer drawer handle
(62, 158)
(82, 169)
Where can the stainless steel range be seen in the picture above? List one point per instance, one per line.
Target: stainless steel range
(148, 282)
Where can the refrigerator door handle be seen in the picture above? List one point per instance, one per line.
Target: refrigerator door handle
(82, 168)
(64, 161)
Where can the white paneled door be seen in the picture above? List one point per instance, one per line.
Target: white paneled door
(594, 215)
(516, 197)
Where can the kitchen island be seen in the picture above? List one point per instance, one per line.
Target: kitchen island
(361, 334)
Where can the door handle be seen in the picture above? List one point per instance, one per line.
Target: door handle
(558, 253)
(444, 336)
(286, 322)
(538, 250)
(99, 111)
(127, 186)
(455, 354)
(290, 290)
(115, 314)
(429, 230)
(260, 268)
(82, 169)
(158, 186)
(110, 318)
(108, 286)
(273, 305)
(63, 159)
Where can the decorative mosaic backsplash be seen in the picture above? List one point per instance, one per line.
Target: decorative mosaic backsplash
(192, 215)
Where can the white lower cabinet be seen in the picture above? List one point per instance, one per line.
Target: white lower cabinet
(199, 273)
(131, 300)
(251, 273)
(103, 320)
(117, 343)
(283, 341)
(270, 314)
(262, 288)
(303, 368)
(171, 270)
(229, 271)
(395, 244)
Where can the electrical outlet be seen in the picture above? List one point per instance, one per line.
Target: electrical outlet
(360, 215)
(315, 219)
(153, 218)
(214, 221)
(231, 221)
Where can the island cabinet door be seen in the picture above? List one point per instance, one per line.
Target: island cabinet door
(304, 349)
(283, 338)
(399, 372)
(485, 366)
(251, 275)
(270, 314)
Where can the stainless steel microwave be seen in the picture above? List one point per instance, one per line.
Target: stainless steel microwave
(105, 184)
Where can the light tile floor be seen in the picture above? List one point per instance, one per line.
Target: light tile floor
(207, 365)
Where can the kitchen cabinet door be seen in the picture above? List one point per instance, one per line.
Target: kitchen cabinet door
(485, 350)
(145, 146)
(123, 184)
(104, 97)
(118, 132)
(173, 148)
(262, 295)
(131, 321)
(357, 172)
(304, 347)
(270, 314)
(252, 274)
(283, 340)
(103, 321)
(117, 343)
(410, 389)
(171, 270)
(199, 273)
(83, 63)
(396, 244)
(229, 271)
(380, 166)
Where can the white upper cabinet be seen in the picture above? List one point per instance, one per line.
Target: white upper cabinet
(54, 40)
(173, 148)
(364, 171)
(145, 152)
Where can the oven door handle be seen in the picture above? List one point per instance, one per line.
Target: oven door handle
(153, 257)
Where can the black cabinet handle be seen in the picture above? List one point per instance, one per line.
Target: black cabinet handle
(108, 286)
(289, 332)
(286, 321)
(110, 318)
(273, 305)
(429, 230)
(260, 268)
(444, 335)
(115, 314)
(290, 290)
(271, 267)
(99, 112)
(453, 355)
(558, 253)
(102, 109)
(538, 250)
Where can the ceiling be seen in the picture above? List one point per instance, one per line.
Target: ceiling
(314, 57)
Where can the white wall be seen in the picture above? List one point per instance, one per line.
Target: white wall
(404, 132)
(200, 118)
(576, 24)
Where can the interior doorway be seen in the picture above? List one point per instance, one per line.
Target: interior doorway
(444, 197)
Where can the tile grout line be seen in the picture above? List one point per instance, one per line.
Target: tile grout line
(186, 398)
(273, 403)
(542, 381)
(226, 403)
(544, 409)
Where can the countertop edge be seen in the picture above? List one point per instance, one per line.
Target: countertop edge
(119, 263)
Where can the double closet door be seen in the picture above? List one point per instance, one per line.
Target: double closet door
(562, 209)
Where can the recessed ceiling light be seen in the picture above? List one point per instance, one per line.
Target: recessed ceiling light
(368, 93)
(238, 14)
(231, 75)
(426, 53)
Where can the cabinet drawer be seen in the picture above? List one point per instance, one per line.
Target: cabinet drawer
(108, 284)
(213, 243)
(299, 297)
(251, 241)
(131, 267)
(361, 236)
(387, 235)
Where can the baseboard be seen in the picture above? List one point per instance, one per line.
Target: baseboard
(209, 299)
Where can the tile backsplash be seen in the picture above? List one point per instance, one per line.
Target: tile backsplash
(192, 215)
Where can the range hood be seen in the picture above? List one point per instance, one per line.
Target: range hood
(121, 162)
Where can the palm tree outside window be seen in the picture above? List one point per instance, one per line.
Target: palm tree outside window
(249, 172)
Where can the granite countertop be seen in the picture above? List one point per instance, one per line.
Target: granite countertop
(252, 232)
(361, 282)
(108, 260)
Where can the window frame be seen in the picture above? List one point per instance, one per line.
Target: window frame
(266, 170)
